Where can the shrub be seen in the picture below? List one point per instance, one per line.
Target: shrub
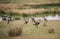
(15, 32)
(17, 19)
(51, 30)
(25, 15)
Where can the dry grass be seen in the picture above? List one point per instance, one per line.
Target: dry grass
(16, 8)
(29, 11)
(30, 31)
(28, 1)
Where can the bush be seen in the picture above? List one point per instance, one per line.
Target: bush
(15, 32)
(51, 30)
(25, 15)
(17, 19)
(2, 12)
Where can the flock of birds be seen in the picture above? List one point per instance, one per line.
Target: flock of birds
(35, 22)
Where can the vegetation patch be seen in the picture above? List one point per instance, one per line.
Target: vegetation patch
(15, 32)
